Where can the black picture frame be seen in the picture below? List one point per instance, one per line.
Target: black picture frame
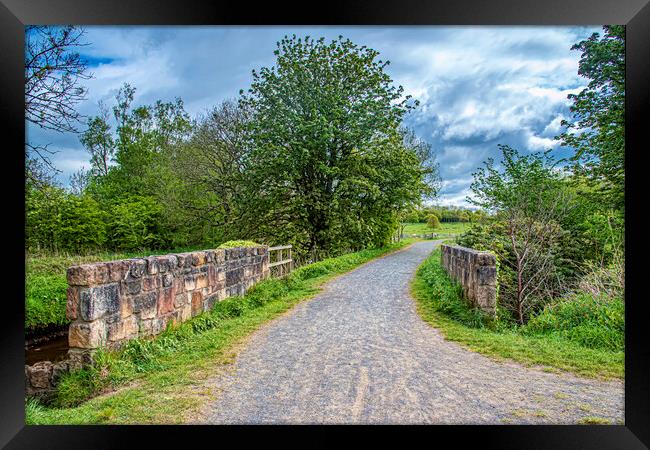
(14, 14)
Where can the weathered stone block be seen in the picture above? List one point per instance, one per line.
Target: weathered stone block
(40, 374)
(137, 268)
(151, 283)
(182, 299)
(201, 281)
(152, 265)
(124, 329)
(166, 300)
(126, 307)
(72, 303)
(190, 283)
(87, 334)
(486, 275)
(167, 280)
(96, 302)
(197, 303)
(118, 270)
(132, 286)
(87, 274)
(145, 305)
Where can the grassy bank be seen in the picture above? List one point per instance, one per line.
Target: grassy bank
(162, 380)
(580, 336)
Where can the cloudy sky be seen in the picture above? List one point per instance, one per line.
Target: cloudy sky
(478, 86)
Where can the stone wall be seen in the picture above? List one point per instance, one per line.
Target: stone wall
(476, 272)
(112, 302)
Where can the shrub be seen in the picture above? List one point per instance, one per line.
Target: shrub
(593, 322)
(240, 243)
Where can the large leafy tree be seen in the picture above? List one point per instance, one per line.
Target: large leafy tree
(328, 167)
(597, 128)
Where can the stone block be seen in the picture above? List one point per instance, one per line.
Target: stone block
(72, 303)
(186, 312)
(96, 302)
(40, 374)
(189, 283)
(124, 329)
(145, 305)
(137, 268)
(132, 286)
(151, 283)
(167, 280)
(182, 299)
(118, 270)
(87, 275)
(201, 281)
(166, 300)
(486, 275)
(126, 306)
(87, 334)
(152, 265)
(146, 327)
(197, 303)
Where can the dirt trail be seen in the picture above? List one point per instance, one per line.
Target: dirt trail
(359, 353)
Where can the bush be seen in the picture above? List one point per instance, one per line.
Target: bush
(133, 223)
(234, 244)
(593, 322)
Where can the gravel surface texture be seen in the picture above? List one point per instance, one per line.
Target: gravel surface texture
(359, 353)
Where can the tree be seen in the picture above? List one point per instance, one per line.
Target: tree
(328, 166)
(528, 197)
(597, 129)
(53, 70)
(99, 142)
(433, 221)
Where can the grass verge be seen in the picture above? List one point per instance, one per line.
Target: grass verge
(439, 302)
(162, 380)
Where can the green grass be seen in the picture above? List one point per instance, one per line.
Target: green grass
(446, 228)
(440, 303)
(162, 380)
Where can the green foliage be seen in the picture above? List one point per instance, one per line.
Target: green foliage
(45, 301)
(329, 166)
(132, 224)
(240, 243)
(594, 322)
(597, 129)
(433, 221)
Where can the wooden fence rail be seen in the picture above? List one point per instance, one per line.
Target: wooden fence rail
(278, 265)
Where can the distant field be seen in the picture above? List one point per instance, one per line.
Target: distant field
(446, 228)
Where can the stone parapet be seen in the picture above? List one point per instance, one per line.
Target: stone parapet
(112, 302)
(475, 271)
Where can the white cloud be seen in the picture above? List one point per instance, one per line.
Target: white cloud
(478, 86)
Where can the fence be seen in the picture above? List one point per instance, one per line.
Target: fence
(278, 266)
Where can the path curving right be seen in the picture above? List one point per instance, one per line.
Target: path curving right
(359, 353)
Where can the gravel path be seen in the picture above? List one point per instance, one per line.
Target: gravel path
(359, 353)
